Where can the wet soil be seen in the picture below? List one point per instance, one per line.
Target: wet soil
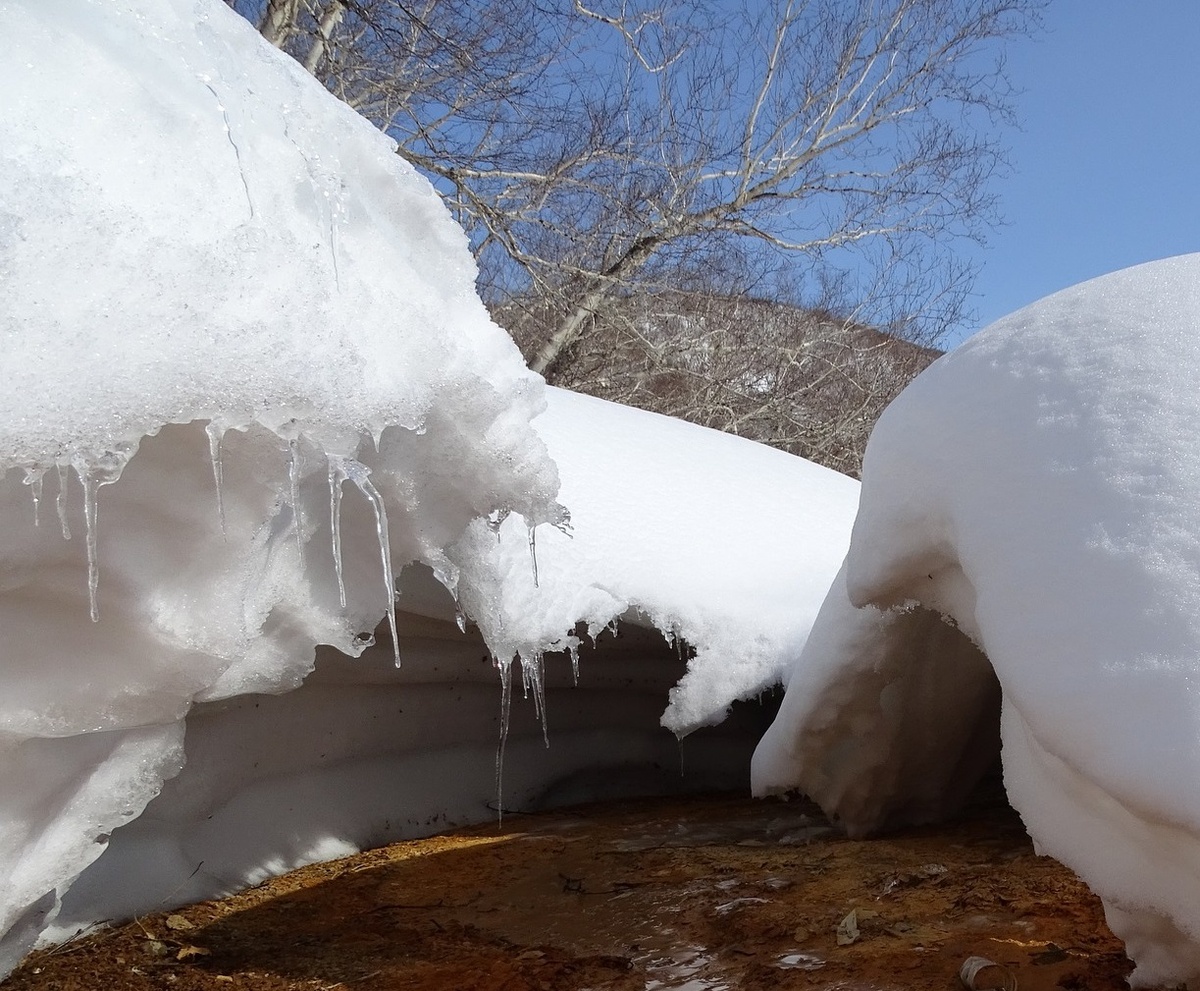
(697, 894)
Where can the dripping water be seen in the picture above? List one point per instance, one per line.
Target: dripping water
(215, 434)
(336, 477)
(60, 502)
(505, 669)
(359, 474)
(33, 478)
(294, 480)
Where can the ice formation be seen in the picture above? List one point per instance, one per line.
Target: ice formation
(247, 385)
(1040, 487)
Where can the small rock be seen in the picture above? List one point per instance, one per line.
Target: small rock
(847, 930)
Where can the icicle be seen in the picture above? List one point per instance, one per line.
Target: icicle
(541, 696)
(574, 649)
(359, 475)
(33, 478)
(336, 478)
(524, 680)
(505, 669)
(533, 554)
(89, 518)
(94, 477)
(215, 434)
(294, 479)
(61, 502)
(533, 675)
(447, 573)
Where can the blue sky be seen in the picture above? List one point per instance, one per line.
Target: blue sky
(1107, 166)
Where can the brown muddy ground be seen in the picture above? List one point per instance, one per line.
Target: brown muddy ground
(696, 894)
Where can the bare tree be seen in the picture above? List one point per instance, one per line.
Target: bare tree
(825, 153)
(807, 380)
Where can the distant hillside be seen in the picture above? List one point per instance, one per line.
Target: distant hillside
(807, 381)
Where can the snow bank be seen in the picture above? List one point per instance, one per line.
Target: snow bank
(1040, 487)
(363, 753)
(192, 232)
(247, 381)
(725, 545)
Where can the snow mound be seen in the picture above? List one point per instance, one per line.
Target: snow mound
(727, 543)
(1040, 488)
(194, 235)
(721, 544)
(247, 381)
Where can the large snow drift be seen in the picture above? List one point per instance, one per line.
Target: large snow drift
(244, 367)
(363, 753)
(726, 545)
(1040, 486)
(191, 230)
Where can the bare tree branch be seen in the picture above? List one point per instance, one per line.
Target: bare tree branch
(818, 153)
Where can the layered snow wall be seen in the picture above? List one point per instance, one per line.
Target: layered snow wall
(246, 382)
(1039, 487)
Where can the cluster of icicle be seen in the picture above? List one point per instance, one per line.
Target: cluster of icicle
(96, 472)
(93, 475)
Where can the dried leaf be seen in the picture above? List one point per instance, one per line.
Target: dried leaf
(178, 922)
(188, 952)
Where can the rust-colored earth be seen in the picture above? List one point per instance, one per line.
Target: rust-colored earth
(697, 894)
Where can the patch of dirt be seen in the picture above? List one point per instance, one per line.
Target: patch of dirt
(697, 894)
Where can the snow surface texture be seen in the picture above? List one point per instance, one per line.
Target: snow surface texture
(1040, 487)
(244, 367)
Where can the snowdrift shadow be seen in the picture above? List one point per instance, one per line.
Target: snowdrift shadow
(898, 734)
(559, 900)
(363, 754)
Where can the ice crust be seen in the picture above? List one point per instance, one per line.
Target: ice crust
(1039, 487)
(247, 383)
